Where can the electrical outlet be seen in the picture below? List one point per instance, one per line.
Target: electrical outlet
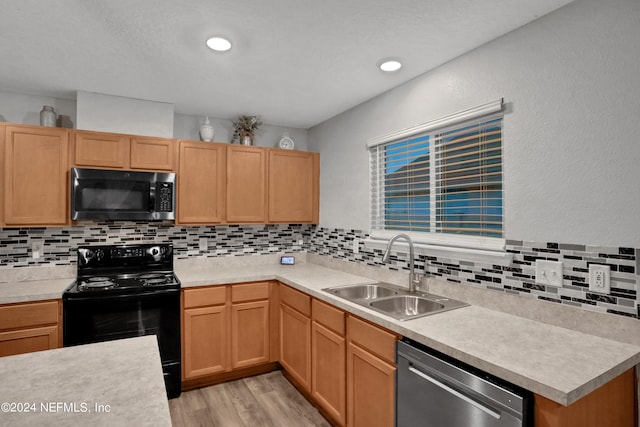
(356, 246)
(203, 244)
(599, 278)
(300, 242)
(37, 249)
(549, 273)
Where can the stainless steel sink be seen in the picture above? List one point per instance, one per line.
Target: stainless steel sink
(366, 292)
(395, 301)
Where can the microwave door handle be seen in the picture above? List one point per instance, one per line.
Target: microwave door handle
(152, 197)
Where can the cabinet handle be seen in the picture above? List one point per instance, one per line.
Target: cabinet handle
(456, 393)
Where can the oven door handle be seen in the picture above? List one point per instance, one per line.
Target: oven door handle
(456, 393)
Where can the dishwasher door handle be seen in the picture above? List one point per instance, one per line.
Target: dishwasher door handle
(456, 393)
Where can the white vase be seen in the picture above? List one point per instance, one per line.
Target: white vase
(48, 117)
(206, 131)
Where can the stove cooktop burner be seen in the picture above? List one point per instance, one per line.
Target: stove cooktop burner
(123, 270)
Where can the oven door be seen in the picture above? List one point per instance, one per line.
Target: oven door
(103, 318)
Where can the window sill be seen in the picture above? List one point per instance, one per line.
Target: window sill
(499, 257)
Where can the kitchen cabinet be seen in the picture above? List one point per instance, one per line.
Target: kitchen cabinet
(246, 184)
(29, 327)
(294, 187)
(35, 176)
(204, 335)
(250, 324)
(370, 374)
(225, 328)
(120, 151)
(201, 183)
(295, 335)
(613, 404)
(328, 360)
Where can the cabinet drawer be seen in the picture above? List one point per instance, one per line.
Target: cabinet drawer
(373, 338)
(295, 299)
(27, 315)
(201, 297)
(328, 316)
(250, 292)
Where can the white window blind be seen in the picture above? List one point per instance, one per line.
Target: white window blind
(445, 180)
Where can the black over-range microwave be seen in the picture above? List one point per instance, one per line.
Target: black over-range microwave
(122, 195)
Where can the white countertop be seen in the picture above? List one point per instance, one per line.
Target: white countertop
(558, 363)
(114, 383)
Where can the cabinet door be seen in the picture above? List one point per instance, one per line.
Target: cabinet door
(28, 340)
(35, 176)
(328, 379)
(95, 149)
(295, 345)
(370, 389)
(246, 184)
(249, 334)
(152, 153)
(205, 345)
(201, 183)
(293, 186)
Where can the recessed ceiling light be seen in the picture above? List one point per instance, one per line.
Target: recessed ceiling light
(219, 44)
(390, 65)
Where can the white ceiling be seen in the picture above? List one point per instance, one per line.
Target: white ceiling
(294, 62)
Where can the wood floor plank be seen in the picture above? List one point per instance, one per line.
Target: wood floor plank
(267, 400)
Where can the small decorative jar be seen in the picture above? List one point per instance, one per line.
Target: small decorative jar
(206, 131)
(48, 117)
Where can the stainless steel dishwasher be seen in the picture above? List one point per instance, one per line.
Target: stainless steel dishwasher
(436, 391)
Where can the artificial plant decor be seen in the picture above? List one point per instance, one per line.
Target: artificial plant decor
(245, 126)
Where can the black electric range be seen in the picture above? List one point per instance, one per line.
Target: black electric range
(124, 291)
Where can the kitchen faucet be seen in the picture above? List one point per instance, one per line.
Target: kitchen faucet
(414, 278)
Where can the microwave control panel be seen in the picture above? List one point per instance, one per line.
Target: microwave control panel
(164, 197)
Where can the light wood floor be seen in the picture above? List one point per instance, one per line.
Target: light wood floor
(264, 400)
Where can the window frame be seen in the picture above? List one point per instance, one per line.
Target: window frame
(473, 247)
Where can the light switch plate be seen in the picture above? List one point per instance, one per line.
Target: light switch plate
(549, 273)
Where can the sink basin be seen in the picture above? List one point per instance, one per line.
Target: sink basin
(365, 292)
(406, 306)
(395, 301)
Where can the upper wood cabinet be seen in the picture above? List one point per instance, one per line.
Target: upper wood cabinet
(201, 183)
(35, 175)
(118, 151)
(97, 149)
(294, 187)
(152, 153)
(246, 184)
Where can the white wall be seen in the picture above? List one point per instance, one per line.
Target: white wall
(572, 131)
(188, 127)
(25, 109)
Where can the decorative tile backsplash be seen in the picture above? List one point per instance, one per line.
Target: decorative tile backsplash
(224, 240)
(517, 277)
(234, 240)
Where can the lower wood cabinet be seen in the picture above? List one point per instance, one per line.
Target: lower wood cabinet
(371, 374)
(295, 335)
(328, 360)
(613, 404)
(224, 328)
(29, 327)
(204, 334)
(250, 324)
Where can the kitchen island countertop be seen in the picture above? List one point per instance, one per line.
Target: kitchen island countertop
(103, 384)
